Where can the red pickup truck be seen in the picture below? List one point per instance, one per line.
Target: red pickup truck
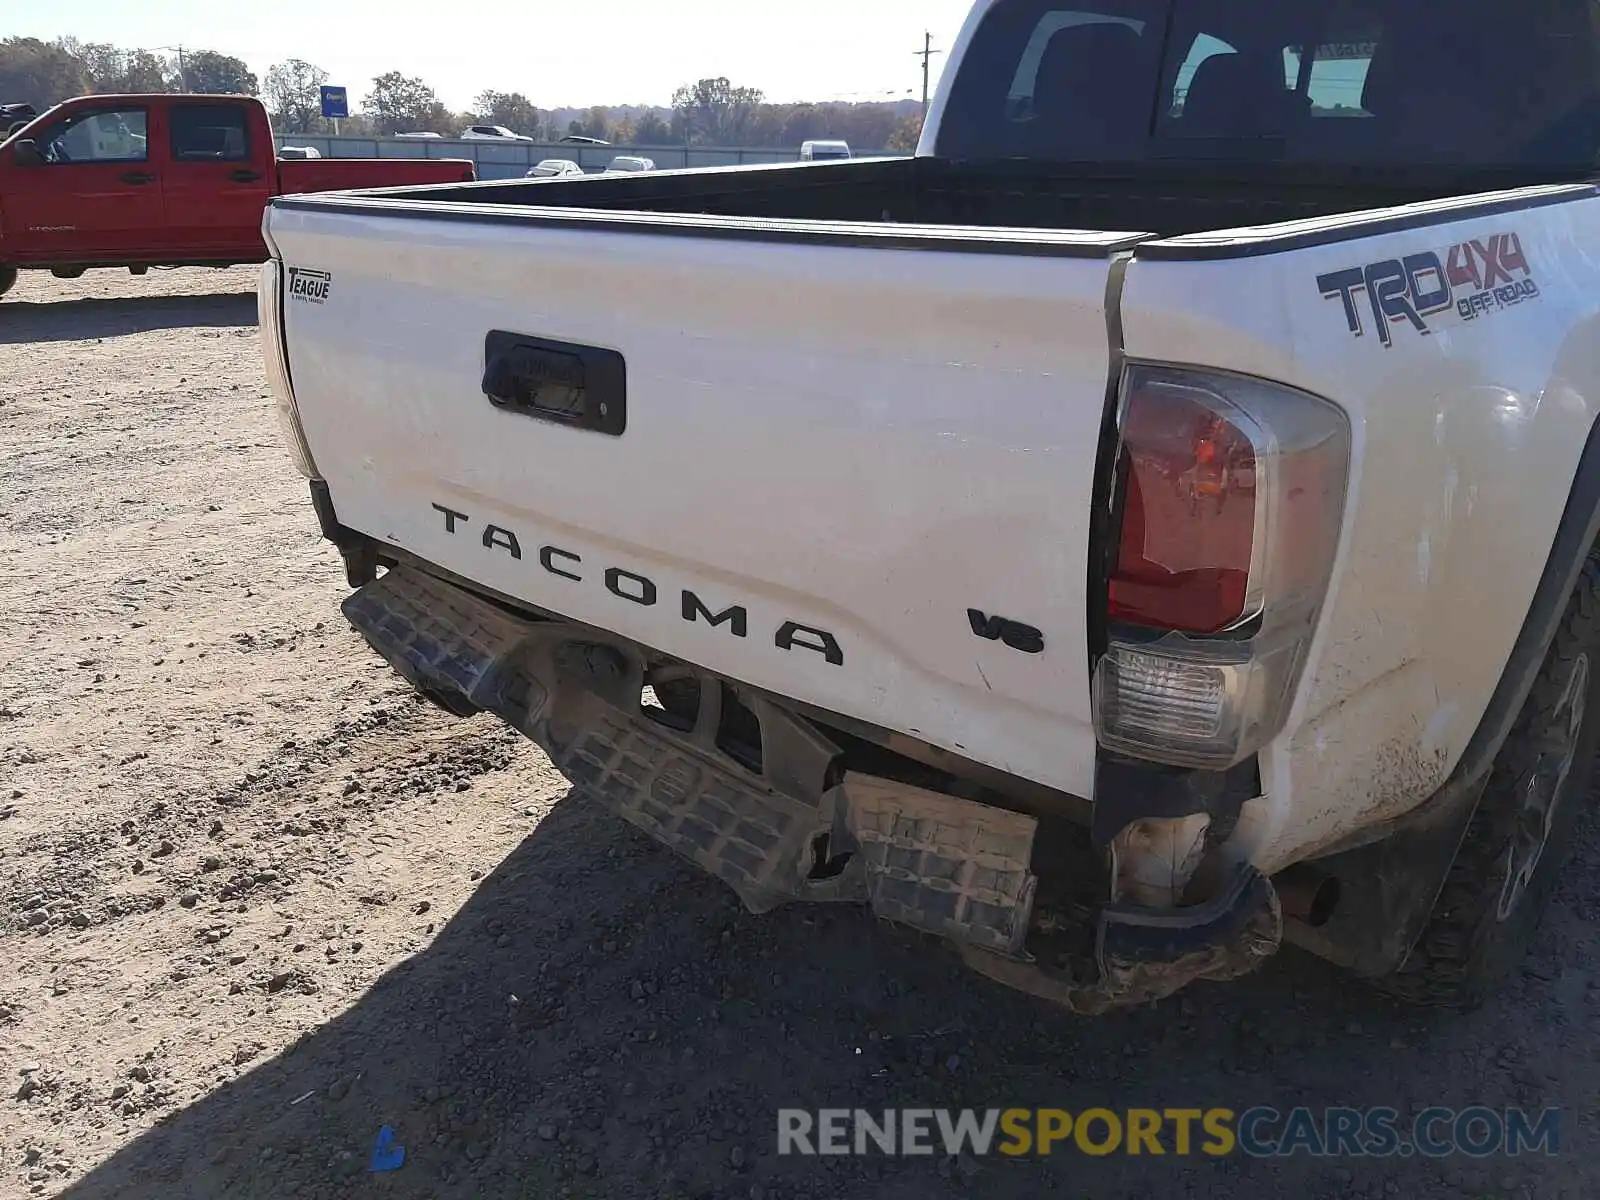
(162, 180)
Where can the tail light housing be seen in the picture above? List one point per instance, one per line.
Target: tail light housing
(269, 303)
(1232, 494)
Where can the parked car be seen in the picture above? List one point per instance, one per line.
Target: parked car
(554, 166)
(491, 133)
(14, 116)
(579, 140)
(1116, 540)
(163, 180)
(300, 152)
(819, 151)
(628, 164)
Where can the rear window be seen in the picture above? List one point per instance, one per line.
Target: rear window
(1361, 82)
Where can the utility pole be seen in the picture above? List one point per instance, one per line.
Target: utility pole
(926, 55)
(183, 71)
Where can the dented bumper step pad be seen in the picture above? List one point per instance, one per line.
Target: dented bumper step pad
(944, 864)
(938, 863)
(757, 840)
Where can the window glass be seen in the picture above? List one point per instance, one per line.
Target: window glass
(1338, 77)
(105, 135)
(1205, 47)
(1042, 80)
(209, 133)
(1487, 83)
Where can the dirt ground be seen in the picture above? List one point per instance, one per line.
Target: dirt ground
(257, 902)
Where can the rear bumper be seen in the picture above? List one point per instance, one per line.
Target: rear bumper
(792, 825)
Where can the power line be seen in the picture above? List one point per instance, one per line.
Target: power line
(926, 55)
(183, 71)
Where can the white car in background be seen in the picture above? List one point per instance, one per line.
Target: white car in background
(491, 133)
(824, 151)
(628, 164)
(417, 135)
(551, 167)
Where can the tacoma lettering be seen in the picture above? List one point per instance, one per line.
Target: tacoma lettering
(643, 591)
(640, 590)
(547, 557)
(735, 618)
(495, 537)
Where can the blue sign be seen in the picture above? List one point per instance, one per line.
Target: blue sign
(335, 103)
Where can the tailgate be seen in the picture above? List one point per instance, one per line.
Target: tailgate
(852, 466)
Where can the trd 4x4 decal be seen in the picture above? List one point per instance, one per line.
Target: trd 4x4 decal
(1470, 279)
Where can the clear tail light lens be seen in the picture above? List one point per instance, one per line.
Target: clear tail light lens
(269, 309)
(1233, 492)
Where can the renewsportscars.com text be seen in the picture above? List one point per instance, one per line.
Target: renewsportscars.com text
(1260, 1132)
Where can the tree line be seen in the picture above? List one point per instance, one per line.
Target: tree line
(707, 112)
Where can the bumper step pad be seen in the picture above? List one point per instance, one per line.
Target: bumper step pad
(943, 864)
(755, 840)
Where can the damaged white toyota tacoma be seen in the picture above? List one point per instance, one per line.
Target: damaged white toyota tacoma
(1154, 523)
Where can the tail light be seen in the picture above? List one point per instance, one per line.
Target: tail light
(1233, 492)
(269, 302)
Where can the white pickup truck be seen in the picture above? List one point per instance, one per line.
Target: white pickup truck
(1155, 522)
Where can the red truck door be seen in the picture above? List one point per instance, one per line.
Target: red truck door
(96, 197)
(221, 173)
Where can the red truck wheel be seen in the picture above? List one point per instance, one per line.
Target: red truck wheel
(8, 278)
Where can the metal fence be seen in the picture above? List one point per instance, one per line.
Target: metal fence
(511, 160)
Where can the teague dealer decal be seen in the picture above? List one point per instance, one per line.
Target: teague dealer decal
(309, 286)
(1471, 279)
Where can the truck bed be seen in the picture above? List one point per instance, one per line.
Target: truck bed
(1165, 200)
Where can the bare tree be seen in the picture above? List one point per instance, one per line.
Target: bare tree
(112, 69)
(222, 74)
(511, 109)
(713, 110)
(598, 124)
(651, 130)
(403, 104)
(906, 134)
(38, 73)
(294, 97)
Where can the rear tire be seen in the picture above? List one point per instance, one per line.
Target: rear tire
(8, 278)
(1499, 886)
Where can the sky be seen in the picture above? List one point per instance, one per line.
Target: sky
(573, 54)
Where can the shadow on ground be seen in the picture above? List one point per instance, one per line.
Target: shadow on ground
(601, 1020)
(23, 321)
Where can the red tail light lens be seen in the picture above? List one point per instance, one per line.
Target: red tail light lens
(1233, 493)
(1189, 513)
